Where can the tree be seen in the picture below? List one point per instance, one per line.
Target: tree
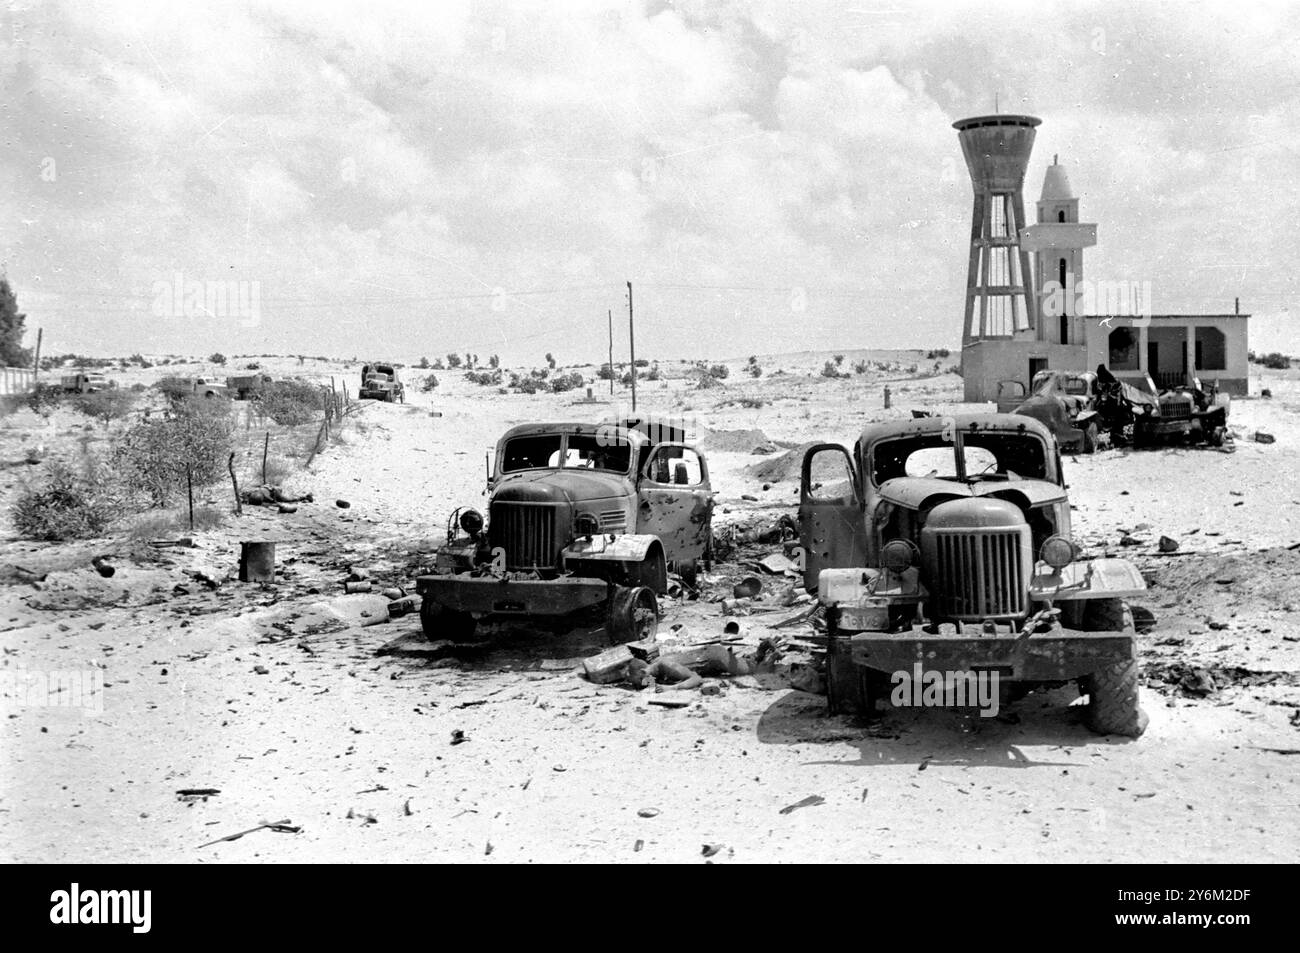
(218, 358)
(12, 352)
(550, 360)
(453, 360)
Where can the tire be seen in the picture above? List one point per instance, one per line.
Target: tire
(1090, 437)
(1114, 705)
(441, 623)
(631, 615)
(1215, 437)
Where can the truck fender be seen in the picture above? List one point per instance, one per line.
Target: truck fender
(640, 554)
(1088, 579)
(1084, 417)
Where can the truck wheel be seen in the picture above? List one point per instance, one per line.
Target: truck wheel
(1090, 437)
(1215, 437)
(439, 622)
(632, 615)
(1114, 707)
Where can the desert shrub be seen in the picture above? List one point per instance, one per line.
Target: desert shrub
(155, 523)
(1274, 361)
(43, 398)
(642, 362)
(752, 403)
(831, 369)
(494, 361)
(752, 367)
(217, 358)
(453, 361)
(175, 388)
(719, 371)
(708, 382)
(860, 367)
(839, 359)
(105, 405)
(292, 403)
(484, 378)
(564, 382)
(936, 353)
(424, 363)
(138, 388)
(653, 374)
(153, 456)
(529, 385)
(428, 383)
(64, 504)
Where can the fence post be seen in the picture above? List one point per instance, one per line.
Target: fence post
(265, 448)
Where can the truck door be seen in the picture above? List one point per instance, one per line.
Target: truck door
(831, 527)
(675, 501)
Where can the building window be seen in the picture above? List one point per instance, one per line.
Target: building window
(1060, 216)
(1211, 348)
(1123, 350)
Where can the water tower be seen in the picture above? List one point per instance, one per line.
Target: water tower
(999, 299)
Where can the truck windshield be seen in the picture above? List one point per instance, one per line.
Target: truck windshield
(580, 451)
(988, 456)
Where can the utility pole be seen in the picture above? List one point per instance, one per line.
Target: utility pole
(610, 312)
(36, 361)
(631, 338)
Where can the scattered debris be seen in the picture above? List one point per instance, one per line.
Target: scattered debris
(280, 827)
(811, 800)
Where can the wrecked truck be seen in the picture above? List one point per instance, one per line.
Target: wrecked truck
(945, 543)
(583, 519)
(380, 382)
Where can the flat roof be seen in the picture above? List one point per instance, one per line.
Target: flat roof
(1162, 317)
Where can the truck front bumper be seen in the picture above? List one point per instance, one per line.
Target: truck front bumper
(1058, 654)
(489, 595)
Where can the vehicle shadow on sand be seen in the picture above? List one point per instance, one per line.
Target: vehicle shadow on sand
(937, 736)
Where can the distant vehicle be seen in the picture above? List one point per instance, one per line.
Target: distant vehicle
(1011, 394)
(1066, 401)
(247, 386)
(82, 383)
(1190, 412)
(202, 386)
(380, 382)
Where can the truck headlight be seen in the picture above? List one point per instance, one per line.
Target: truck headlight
(586, 525)
(471, 521)
(1057, 552)
(898, 555)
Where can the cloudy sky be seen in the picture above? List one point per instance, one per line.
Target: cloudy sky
(414, 178)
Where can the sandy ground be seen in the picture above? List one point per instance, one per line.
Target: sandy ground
(277, 697)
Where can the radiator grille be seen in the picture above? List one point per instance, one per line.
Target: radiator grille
(1175, 410)
(981, 575)
(526, 532)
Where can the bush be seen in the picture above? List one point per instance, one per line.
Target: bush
(1274, 361)
(105, 405)
(484, 378)
(936, 353)
(424, 363)
(154, 454)
(428, 383)
(653, 374)
(217, 358)
(860, 367)
(752, 403)
(719, 371)
(605, 373)
(175, 388)
(292, 403)
(453, 361)
(831, 369)
(64, 504)
(43, 398)
(565, 382)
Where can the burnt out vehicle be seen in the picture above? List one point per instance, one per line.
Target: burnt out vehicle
(1066, 401)
(945, 542)
(380, 382)
(1191, 412)
(582, 519)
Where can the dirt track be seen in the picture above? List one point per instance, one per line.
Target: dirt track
(356, 748)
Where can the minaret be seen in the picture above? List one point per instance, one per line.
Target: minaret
(1058, 241)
